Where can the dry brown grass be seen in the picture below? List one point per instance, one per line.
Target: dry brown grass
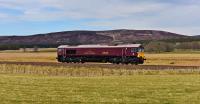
(152, 59)
(87, 71)
(29, 57)
(173, 59)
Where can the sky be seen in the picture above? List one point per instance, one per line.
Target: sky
(27, 17)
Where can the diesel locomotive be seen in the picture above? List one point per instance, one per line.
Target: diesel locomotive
(124, 54)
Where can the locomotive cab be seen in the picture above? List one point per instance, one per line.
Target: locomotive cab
(138, 53)
(141, 52)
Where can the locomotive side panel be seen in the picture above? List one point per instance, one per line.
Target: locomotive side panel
(96, 51)
(100, 54)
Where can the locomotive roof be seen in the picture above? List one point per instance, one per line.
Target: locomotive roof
(101, 46)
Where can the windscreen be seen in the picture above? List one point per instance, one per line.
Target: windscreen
(140, 49)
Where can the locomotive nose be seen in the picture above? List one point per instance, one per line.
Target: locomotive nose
(140, 54)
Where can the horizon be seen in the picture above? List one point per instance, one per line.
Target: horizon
(96, 30)
(22, 18)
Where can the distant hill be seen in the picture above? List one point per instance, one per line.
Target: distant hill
(198, 36)
(90, 37)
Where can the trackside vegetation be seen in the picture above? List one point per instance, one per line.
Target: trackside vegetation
(73, 71)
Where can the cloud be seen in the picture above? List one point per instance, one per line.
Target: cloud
(78, 9)
(174, 15)
(180, 18)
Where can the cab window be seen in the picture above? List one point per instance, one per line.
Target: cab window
(141, 49)
(134, 50)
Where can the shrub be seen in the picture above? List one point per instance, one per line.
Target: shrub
(159, 47)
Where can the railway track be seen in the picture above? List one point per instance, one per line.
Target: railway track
(93, 65)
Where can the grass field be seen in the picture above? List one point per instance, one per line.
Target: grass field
(173, 59)
(138, 89)
(28, 84)
(28, 56)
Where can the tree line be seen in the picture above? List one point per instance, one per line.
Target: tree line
(18, 46)
(158, 46)
(151, 46)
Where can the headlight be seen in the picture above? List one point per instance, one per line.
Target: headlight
(60, 51)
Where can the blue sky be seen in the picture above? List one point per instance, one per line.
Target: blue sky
(27, 17)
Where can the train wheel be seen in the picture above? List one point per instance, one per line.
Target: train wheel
(62, 59)
(126, 63)
(113, 62)
(81, 61)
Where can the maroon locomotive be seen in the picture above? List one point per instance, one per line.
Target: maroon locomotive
(125, 54)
